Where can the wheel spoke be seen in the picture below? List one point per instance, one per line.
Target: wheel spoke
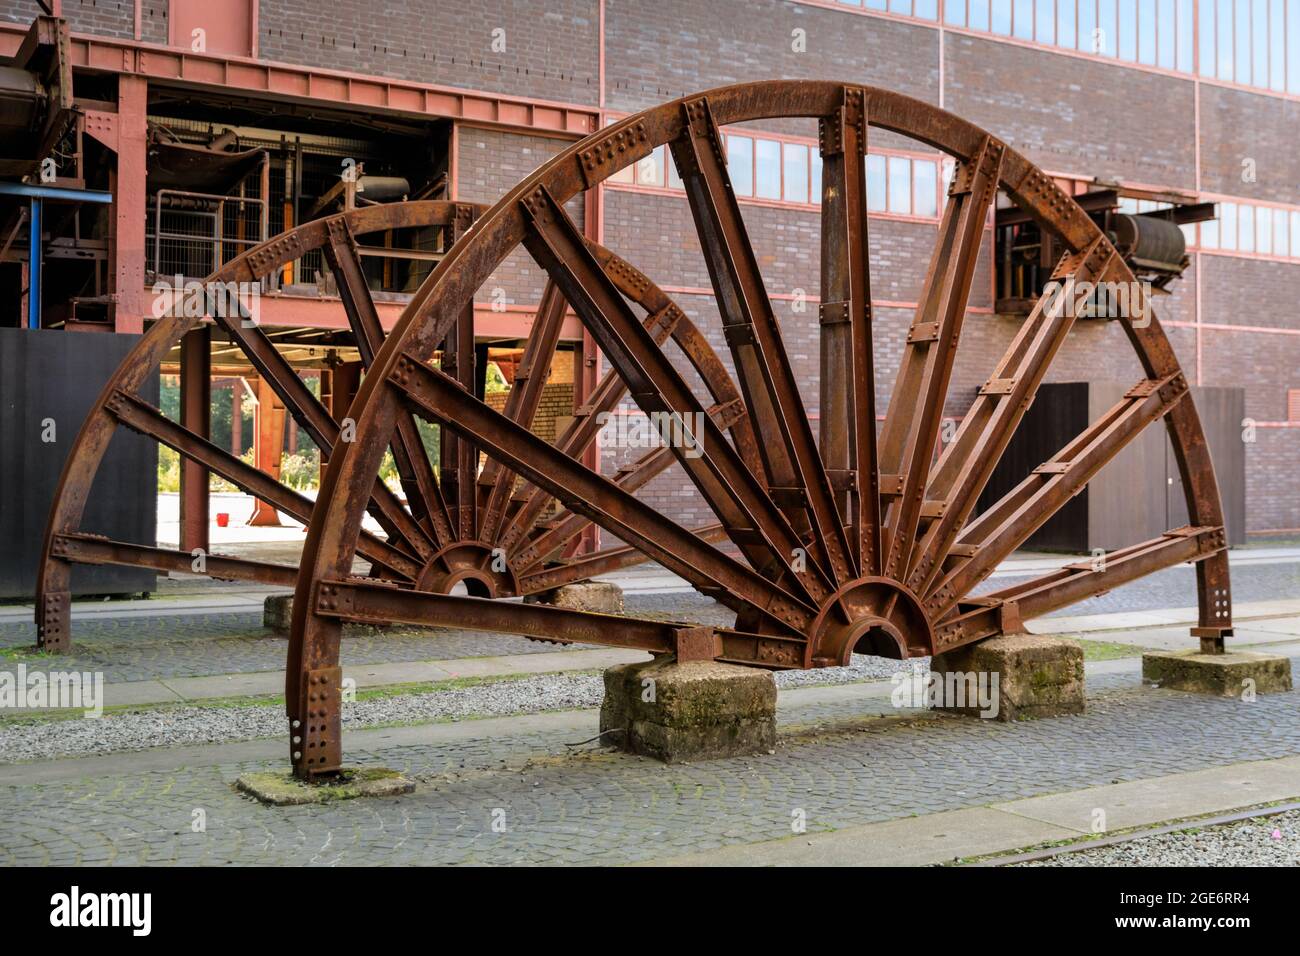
(794, 466)
(848, 384)
(521, 405)
(459, 459)
(630, 478)
(968, 462)
(916, 405)
(734, 493)
(1006, 525)
(413, 467)
(92, 549)
(315, 419)
(596, 497)
(1005, 611)
(140, 416)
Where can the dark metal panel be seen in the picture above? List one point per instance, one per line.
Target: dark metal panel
(57, 376)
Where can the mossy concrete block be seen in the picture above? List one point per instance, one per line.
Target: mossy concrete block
(277, 612)
(599, 597)
(283, 789)
(695, 710)
(1037, 676)
(1221, 675)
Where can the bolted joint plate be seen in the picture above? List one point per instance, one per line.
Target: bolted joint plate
(316, 741)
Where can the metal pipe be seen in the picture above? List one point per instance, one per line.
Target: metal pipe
(34, 266)
(56, 193)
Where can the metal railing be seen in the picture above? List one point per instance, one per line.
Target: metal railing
(195, 234)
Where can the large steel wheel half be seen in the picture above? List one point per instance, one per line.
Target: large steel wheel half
(842, 541)
(456, 525)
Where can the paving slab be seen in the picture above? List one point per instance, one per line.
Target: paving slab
(913, 841)
(1157, 799)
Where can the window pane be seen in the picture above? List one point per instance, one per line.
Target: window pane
(1246, 228)
(1045, 21)
(1146, 32)
(1088, 26)
(1277, 45)
(1264, 230)
(901, 6)
(954, 13)
(674, 180)
(767, 169)
(1207, 25)
(1166, 30)
(740, 164)
(926, 9)
(1185, 33)
(1295, 235)
(979, 14)
(1106, 20)
(876, 5)
(925, 196)
(816, 175)
(1127, 36)
(795, 172)
(1002, 17)
(876, 183)
(1223, 21)
(1259, 38)
(1228, 225)
(1210, 234)
(900, 184)
(1241, 41)
(1293, 50)
(650, 169)
(1279, 232)
(1065, 23)
(1023, 24)
(1189, 233)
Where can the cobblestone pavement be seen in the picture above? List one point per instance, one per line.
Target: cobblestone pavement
(834, 762)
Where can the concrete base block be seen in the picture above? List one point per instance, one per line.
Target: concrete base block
(599, 597)
(696, 710)
(283, 789)
(1222, 675)
(1036, 676)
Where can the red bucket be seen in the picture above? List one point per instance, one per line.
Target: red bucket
(223, 519)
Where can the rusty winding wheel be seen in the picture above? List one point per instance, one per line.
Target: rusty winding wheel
(457, 525)
(841, 542)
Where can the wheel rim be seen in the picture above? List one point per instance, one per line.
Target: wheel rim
(423, 549)
(889, 557)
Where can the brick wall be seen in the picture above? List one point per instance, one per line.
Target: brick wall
(551, 46)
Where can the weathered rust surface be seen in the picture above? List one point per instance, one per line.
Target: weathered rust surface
(452, 527)
(850, 543)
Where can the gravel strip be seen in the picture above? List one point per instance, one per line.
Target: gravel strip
(1264, 841)
(139, 730)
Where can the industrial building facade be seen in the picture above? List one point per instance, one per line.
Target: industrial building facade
(1157, 104)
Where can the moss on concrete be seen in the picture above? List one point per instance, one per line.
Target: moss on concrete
(283, 789)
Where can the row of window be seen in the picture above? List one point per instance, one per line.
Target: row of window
(1238, 227)
(762, 168)
(1243, 227)
(1251, 42)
